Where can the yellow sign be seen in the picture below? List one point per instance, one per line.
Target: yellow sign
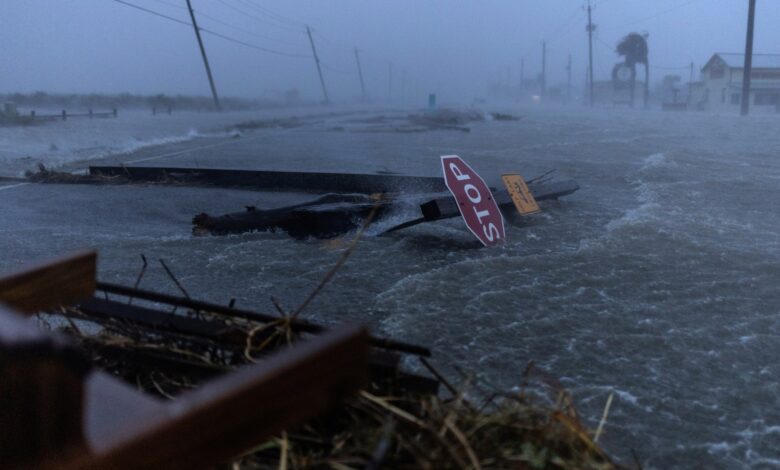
(521, 195)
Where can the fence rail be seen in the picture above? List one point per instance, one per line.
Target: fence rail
(65, 115)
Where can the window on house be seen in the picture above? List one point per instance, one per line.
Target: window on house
(717, 71)
(766, 98)
(735, 98)
(723, 95)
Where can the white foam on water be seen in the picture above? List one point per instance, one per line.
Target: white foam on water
(647, 195)
(645, 212)
(58, 143)
(719, 447)
(655, 160)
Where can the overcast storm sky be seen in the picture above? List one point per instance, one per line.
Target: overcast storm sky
(453, 47)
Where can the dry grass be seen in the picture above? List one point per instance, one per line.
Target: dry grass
(535, 426)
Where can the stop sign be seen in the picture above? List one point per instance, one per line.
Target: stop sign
(475, 201)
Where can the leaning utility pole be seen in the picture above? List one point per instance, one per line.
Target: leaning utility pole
(591, 27)
(317, 61)
(544, 67)
(360, 74)
(205, 59)
(746, 71)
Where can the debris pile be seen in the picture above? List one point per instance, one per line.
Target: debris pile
(400, 420)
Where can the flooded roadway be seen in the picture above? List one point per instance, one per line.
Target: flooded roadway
(657, 280)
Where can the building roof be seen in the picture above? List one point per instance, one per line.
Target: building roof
(737, 61)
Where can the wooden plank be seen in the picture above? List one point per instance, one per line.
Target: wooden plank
(60, 282)
(278, 180)
(40, 392)
(209, 426)
(297, 325)
(97, 308)
(109, 404)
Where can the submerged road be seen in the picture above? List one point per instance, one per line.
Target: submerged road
(657, 281)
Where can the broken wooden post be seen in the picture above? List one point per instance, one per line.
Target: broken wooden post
(57, 413)
(50, 285)
(41, 390)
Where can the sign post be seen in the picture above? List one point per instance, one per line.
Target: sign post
(475, 201)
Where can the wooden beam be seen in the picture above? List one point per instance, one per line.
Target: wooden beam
(49, 285)
(211, 425)
(309, 182)
(41, 392)
(297, 325)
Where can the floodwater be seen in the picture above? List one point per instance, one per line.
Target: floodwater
(657, 281)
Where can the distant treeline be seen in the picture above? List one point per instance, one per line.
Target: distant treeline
(126, 100)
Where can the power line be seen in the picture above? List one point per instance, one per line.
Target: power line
(244, 30)
(552, 35)
(172, 5)
(567, 23)
(254, 46)
(609, 48)
(333, 69)
(660, 13)
(257, 18)
(604, 43)
(152, 12)
(330, 41)
(214, 33)
(272, 14)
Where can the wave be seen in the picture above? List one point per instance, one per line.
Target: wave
(60, 143)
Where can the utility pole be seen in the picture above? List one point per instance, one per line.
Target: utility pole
(591, 27)
(360, 74)
(544, 68)
(522, 70)
(568, 81)
(205, 59)
(690, 86)
(403, 87)
(746, 71)
(317, 61)
(390, 82)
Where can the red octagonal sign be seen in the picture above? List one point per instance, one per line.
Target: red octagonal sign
(475, 201)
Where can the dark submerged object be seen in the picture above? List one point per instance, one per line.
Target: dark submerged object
(334, 214)
(349, 197)
(325, 217)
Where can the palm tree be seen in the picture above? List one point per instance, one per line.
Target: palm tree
(634, 48)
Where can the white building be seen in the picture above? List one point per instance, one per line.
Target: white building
(720, 88)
